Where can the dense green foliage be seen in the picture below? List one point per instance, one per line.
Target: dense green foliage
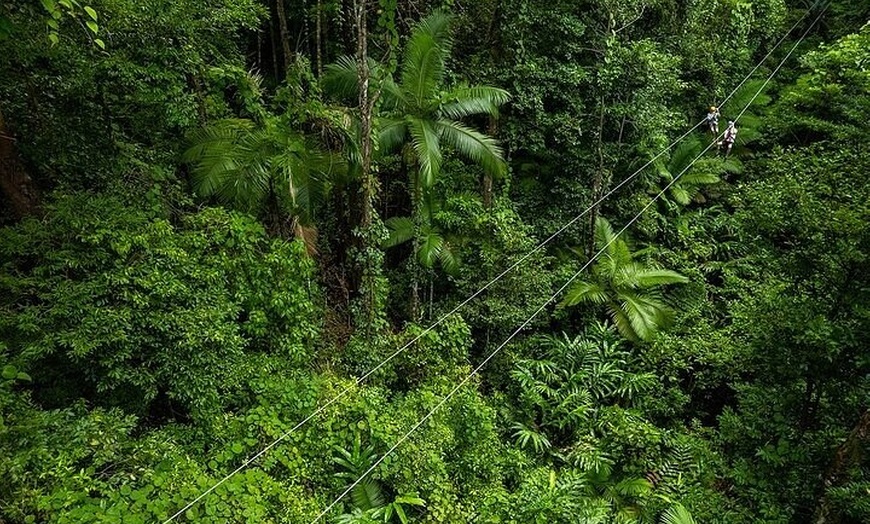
(218, 215)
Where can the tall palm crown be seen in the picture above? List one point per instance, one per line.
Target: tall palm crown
(262, 168)
(421, 112)
(425, 115)
(628, 288)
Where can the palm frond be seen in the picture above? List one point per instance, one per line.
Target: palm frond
(410, 498)
(742, 99)
(657, 277)
(401, 230)
(699, 178)
(465, 101)
(526, 436)
(392, 95)
(340, 78)
(604, 233)
(633, 487)
(645, 314)
(429, 250)
(623, 324)
(683, 155)
(681, 195)
(425, 54)
(677, 514)
(367, 495)
(474, 145)
(392, 133)
(448, 259)
(424, 140)
(227, 162)
(585, 292)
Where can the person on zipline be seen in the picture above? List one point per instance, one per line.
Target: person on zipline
(713, 120)
(729, 137)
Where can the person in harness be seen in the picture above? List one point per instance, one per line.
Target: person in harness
(713, 120)
(728, 139)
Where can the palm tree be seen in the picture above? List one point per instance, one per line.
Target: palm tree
(625, 497)
(421, 116)
(628, 288)
(705, 171)
(420, 113)
(688, 188)
(433, 245)
(369, 497)
(264, 168)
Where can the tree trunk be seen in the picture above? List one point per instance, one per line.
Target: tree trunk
(285, 34)
(365, 109)
(368, 267)
(495, 48)
(598, 182)
(17, 186)
(413, 263)
(492, 130)
(414, 299)
(847, 455)
(317, 38)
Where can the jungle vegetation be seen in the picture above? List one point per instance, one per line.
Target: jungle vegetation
(218, 215)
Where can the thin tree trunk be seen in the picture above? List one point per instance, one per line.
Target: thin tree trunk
(414, 306)
(597, 182)
(365, 108)
(492, 130)
(16, 184)
(847, 454)
(259, 50)
(285, 34)
(367, 269)
(273, 39)
(318, 36)
(414, 264)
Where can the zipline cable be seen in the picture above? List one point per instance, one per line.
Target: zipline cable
(477, 293)
(543, 306)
